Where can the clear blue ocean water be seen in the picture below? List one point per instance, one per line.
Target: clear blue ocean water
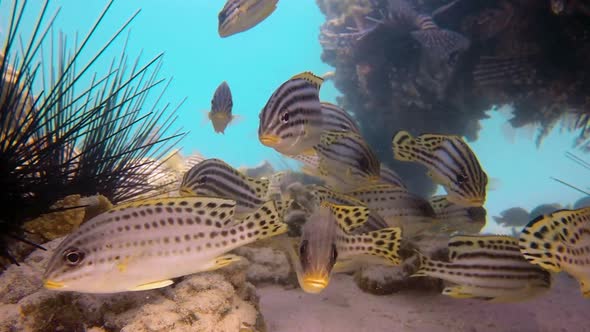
(257, 61)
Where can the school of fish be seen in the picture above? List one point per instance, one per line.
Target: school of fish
(361, 211)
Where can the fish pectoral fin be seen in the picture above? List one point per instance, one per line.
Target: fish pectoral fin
(345, 266)
(221, 261)
(152, 285)
(585, 287)
(309, 152)
(457, 292)
(349, 218)
(186, 192)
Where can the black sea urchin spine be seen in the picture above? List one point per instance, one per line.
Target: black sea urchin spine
(66, 140)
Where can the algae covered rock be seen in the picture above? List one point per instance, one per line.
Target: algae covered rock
(221, 300)
(53, 225)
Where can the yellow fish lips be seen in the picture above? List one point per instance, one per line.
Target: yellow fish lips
(270, 140)
(315, 283)
(49, 284)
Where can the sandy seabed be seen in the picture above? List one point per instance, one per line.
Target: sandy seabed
(344, 307)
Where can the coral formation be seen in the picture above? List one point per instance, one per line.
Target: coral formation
(520, 53)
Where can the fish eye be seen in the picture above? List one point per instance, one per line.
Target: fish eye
(73, 256)
(461, 178)
(285, 117)
(453, 58)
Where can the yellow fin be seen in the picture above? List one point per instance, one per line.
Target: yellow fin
(552, 240)
(457, 292)
(464, 244)
(186, 192)
(309, 152)
(152, 285)
(402, 145)
(349, 217)
(384, 243)
(263, 223)
(260, 186)
(174, 161)
(310, 77)
(585, 287)
(221, 261)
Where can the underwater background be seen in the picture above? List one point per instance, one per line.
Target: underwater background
(520, 166)
(254, 63)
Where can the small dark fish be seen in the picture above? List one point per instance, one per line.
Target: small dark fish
(560, 241)
(241, 15)
(487, 267)
(221, 107)
(438, 42)
(513, 217)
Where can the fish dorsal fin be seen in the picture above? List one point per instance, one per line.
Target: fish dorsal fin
(466, 246)
(310, 77)
(260, 186)
(262, 223)
(556, 239)
(174, 161)
(404, 146)
(349, 218)
(221, 208)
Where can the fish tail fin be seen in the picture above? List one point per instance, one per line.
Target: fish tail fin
(442, 43)
(500, 70)
(264, 223)
(423, 263)
(384, 243)
(540, 242)
(402, 144)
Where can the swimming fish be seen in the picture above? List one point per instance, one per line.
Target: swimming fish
(513, 217)
(346, 161)
(456, 218)
(334, 118)
(144, 245)
(389, 176)
(323, 194)
(487, 267)
(214, 177)
(241, 15)
(326, 238)
(438, 42)
(560, 241)
(221, 107)
(450, 162)
(398, 207)
(291, 120)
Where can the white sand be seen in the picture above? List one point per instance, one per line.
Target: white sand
(343, 307)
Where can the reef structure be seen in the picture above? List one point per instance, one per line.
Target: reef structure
(524, 53)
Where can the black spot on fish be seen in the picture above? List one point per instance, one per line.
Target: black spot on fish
(198, 204)
(169, 209)
(183, 203)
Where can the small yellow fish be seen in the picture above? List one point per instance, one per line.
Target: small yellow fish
(560, 241)
(221, 108)
(241, 15)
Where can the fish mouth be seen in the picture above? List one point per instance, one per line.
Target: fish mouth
(270, 140)
(315, 284)
(50, 284)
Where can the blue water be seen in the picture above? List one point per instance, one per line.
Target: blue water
(256, 62)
